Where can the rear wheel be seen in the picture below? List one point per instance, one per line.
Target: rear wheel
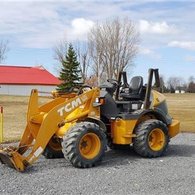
(84, 145)
(53, 149)
(151, 138)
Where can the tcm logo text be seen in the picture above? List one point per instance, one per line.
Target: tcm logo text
(70, 106)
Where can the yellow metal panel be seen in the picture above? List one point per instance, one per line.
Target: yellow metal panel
(50, 105)
(174, 128)
(63, 130)
(38, 118)
(33, 108)
(157, 98)
(122, 131)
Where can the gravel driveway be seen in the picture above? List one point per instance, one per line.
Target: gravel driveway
(121, 172)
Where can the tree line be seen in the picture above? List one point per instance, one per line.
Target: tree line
(174, 84)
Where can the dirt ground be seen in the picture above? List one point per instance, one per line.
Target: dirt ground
(15, 109)
(181, 107)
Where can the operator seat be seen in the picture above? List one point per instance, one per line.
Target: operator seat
(135, 91)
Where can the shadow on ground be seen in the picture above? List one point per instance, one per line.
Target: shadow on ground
(181, 150)
(113, 158)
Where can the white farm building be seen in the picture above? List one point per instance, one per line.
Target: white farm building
(20, 80)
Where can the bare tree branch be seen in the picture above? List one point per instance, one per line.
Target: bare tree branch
(83, 58)
(113, 46)
(60, 51)
(3, 50)
(82, 52)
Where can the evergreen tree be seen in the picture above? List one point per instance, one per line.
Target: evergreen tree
(70, 74)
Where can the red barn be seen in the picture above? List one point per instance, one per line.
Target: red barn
(20, 80)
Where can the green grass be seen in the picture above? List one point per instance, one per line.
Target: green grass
(181, 107)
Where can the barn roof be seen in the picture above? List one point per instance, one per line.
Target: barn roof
(26, 75)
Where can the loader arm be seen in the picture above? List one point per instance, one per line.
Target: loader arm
(44, 122)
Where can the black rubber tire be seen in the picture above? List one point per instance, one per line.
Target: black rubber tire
(141, 143)
(50, 153)
(71, 140)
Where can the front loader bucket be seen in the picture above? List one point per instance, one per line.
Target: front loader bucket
(12, 158)
(6, 159)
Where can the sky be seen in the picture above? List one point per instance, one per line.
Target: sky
(167, 31)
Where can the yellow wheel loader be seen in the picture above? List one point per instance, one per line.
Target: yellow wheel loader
(79, 126)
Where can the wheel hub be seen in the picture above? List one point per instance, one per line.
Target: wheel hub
(89, 145)
(156, 139)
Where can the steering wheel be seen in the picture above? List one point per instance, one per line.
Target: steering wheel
(113, 81)
(80, 91)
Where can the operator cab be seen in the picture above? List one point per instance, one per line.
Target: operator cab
(121, 97)
(135, 91)
(131, 96)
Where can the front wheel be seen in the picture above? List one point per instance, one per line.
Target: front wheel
(84, 145)
(151, 138)
(53, 149)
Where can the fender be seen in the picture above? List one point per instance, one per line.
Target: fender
(97, 121)
(156, 112)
